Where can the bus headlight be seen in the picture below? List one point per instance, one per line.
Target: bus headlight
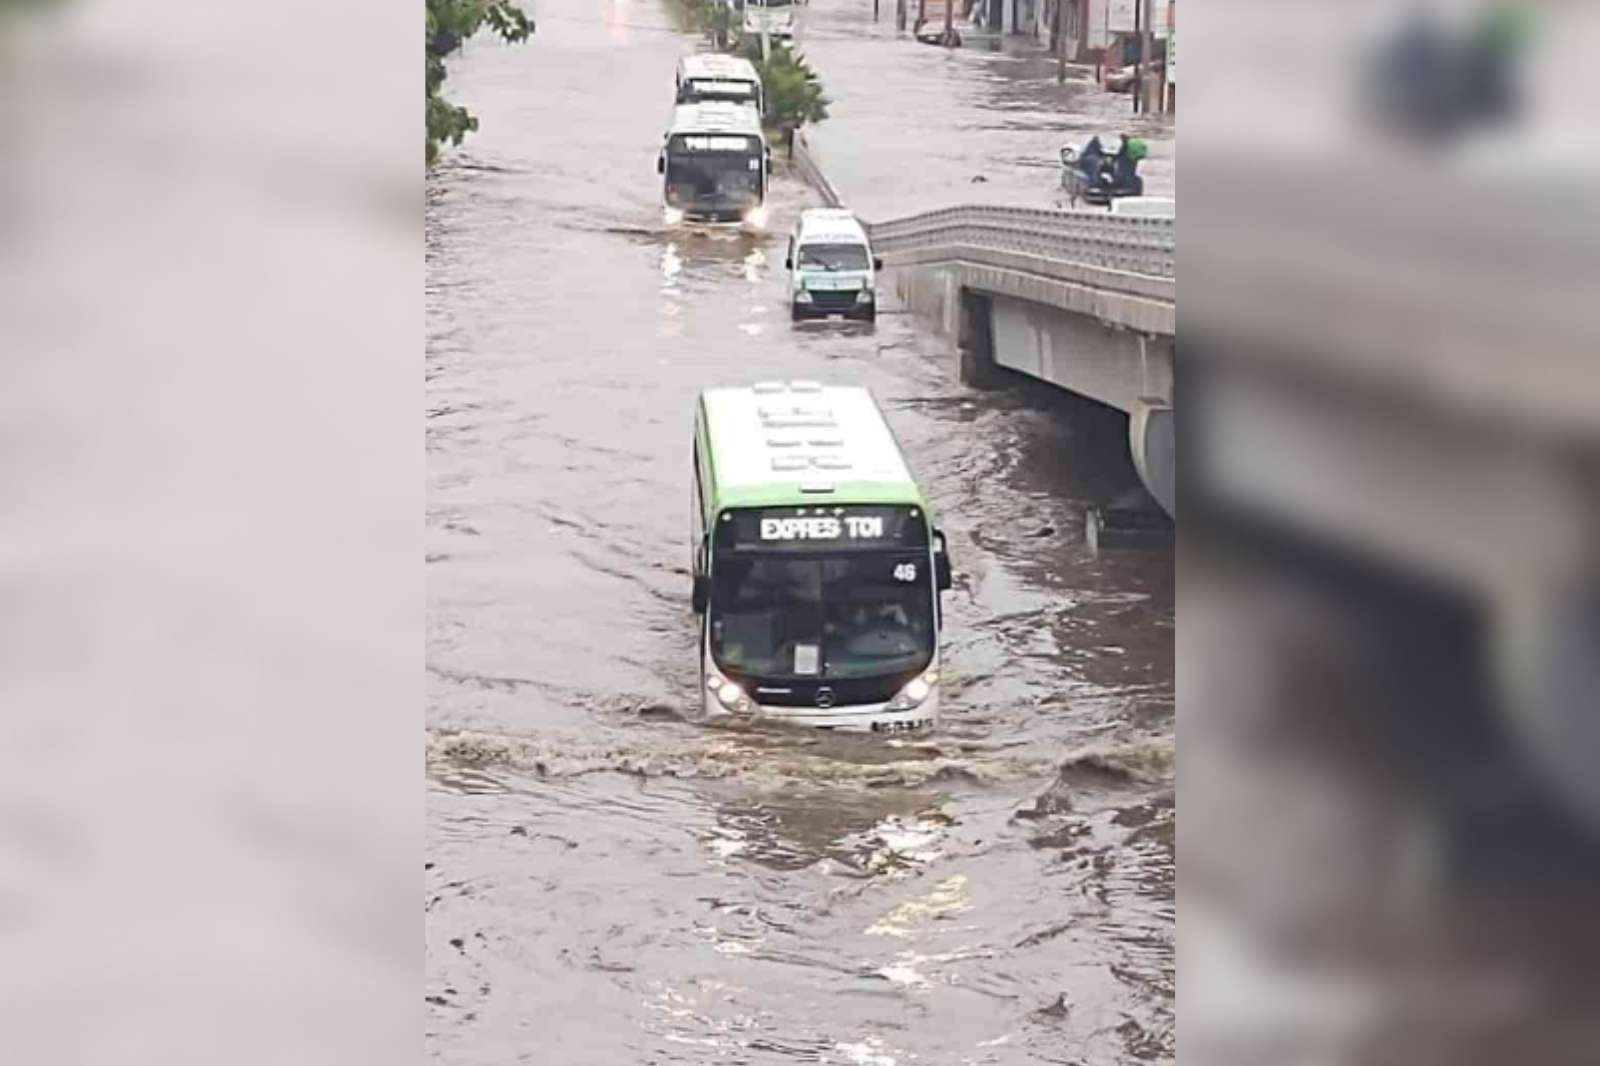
(728, 694)
(801, 296)
(915, 691)
(673, 216)
(864, 296)
(756, 217)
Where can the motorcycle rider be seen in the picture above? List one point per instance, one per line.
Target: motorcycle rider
(1125, 165)
(1091, 160)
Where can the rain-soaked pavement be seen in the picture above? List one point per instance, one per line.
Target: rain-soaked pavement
(609, 880)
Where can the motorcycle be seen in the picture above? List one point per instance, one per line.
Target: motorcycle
(1096, 179)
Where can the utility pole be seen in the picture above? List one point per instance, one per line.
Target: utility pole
(1060, 34)
(1138, 70)
(949, 23)
(1166, 65)
(1147, 46)
(874, 10)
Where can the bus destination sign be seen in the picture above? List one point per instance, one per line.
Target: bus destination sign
(815, 528)
(695, 142)
(851, 527)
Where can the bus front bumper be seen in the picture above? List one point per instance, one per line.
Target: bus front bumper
(868, 718)
(718, 211)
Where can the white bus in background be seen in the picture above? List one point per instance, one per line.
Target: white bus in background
(779, 19)
(817, 565)
(712, 76)
(715, 165)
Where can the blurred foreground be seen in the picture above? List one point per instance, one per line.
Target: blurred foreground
(210, 564)
(1390, 628)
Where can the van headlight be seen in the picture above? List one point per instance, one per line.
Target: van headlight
(915, 691)
(801, 296)
(864, 296)
(730, 695)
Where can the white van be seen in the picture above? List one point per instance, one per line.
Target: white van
(832, 270)
(778, 19)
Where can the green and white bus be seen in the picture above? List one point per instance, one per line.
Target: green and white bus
(817, 566)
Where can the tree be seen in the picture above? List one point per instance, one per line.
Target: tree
(718, 19)
(722, 22)
(450, 22)
(794, 93)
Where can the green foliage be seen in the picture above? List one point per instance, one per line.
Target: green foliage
(718, 21)
(722, 23)
(794, 92)
(451, 22)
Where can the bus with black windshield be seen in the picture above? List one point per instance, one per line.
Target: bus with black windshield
(817, 565)
(715, 165)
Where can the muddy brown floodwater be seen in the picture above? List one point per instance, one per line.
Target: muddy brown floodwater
(610, 880)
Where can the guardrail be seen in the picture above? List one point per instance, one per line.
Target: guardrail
(805, 161)
(1125, 243)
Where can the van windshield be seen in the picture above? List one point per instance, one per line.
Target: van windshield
(833, 257)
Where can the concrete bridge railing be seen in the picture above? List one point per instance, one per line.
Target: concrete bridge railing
(1116, 269)
(1145, 246)
(1086, 300)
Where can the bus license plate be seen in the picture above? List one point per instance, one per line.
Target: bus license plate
(902, 727)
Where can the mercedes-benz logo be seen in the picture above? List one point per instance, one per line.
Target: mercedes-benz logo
(825, 697)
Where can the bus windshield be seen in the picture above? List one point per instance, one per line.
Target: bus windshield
(833, 257)
(704, 166)
(858, 615)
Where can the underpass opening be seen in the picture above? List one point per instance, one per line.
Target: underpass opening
(975, 362)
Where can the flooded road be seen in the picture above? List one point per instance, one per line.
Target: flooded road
(609, 880)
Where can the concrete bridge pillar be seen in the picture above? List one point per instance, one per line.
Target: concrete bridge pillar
(1153, 441)
(975, 363)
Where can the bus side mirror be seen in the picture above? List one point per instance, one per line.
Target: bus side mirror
(877, 262)
(661, 164)
(941, 562)
(788, 262)
(702, 593)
